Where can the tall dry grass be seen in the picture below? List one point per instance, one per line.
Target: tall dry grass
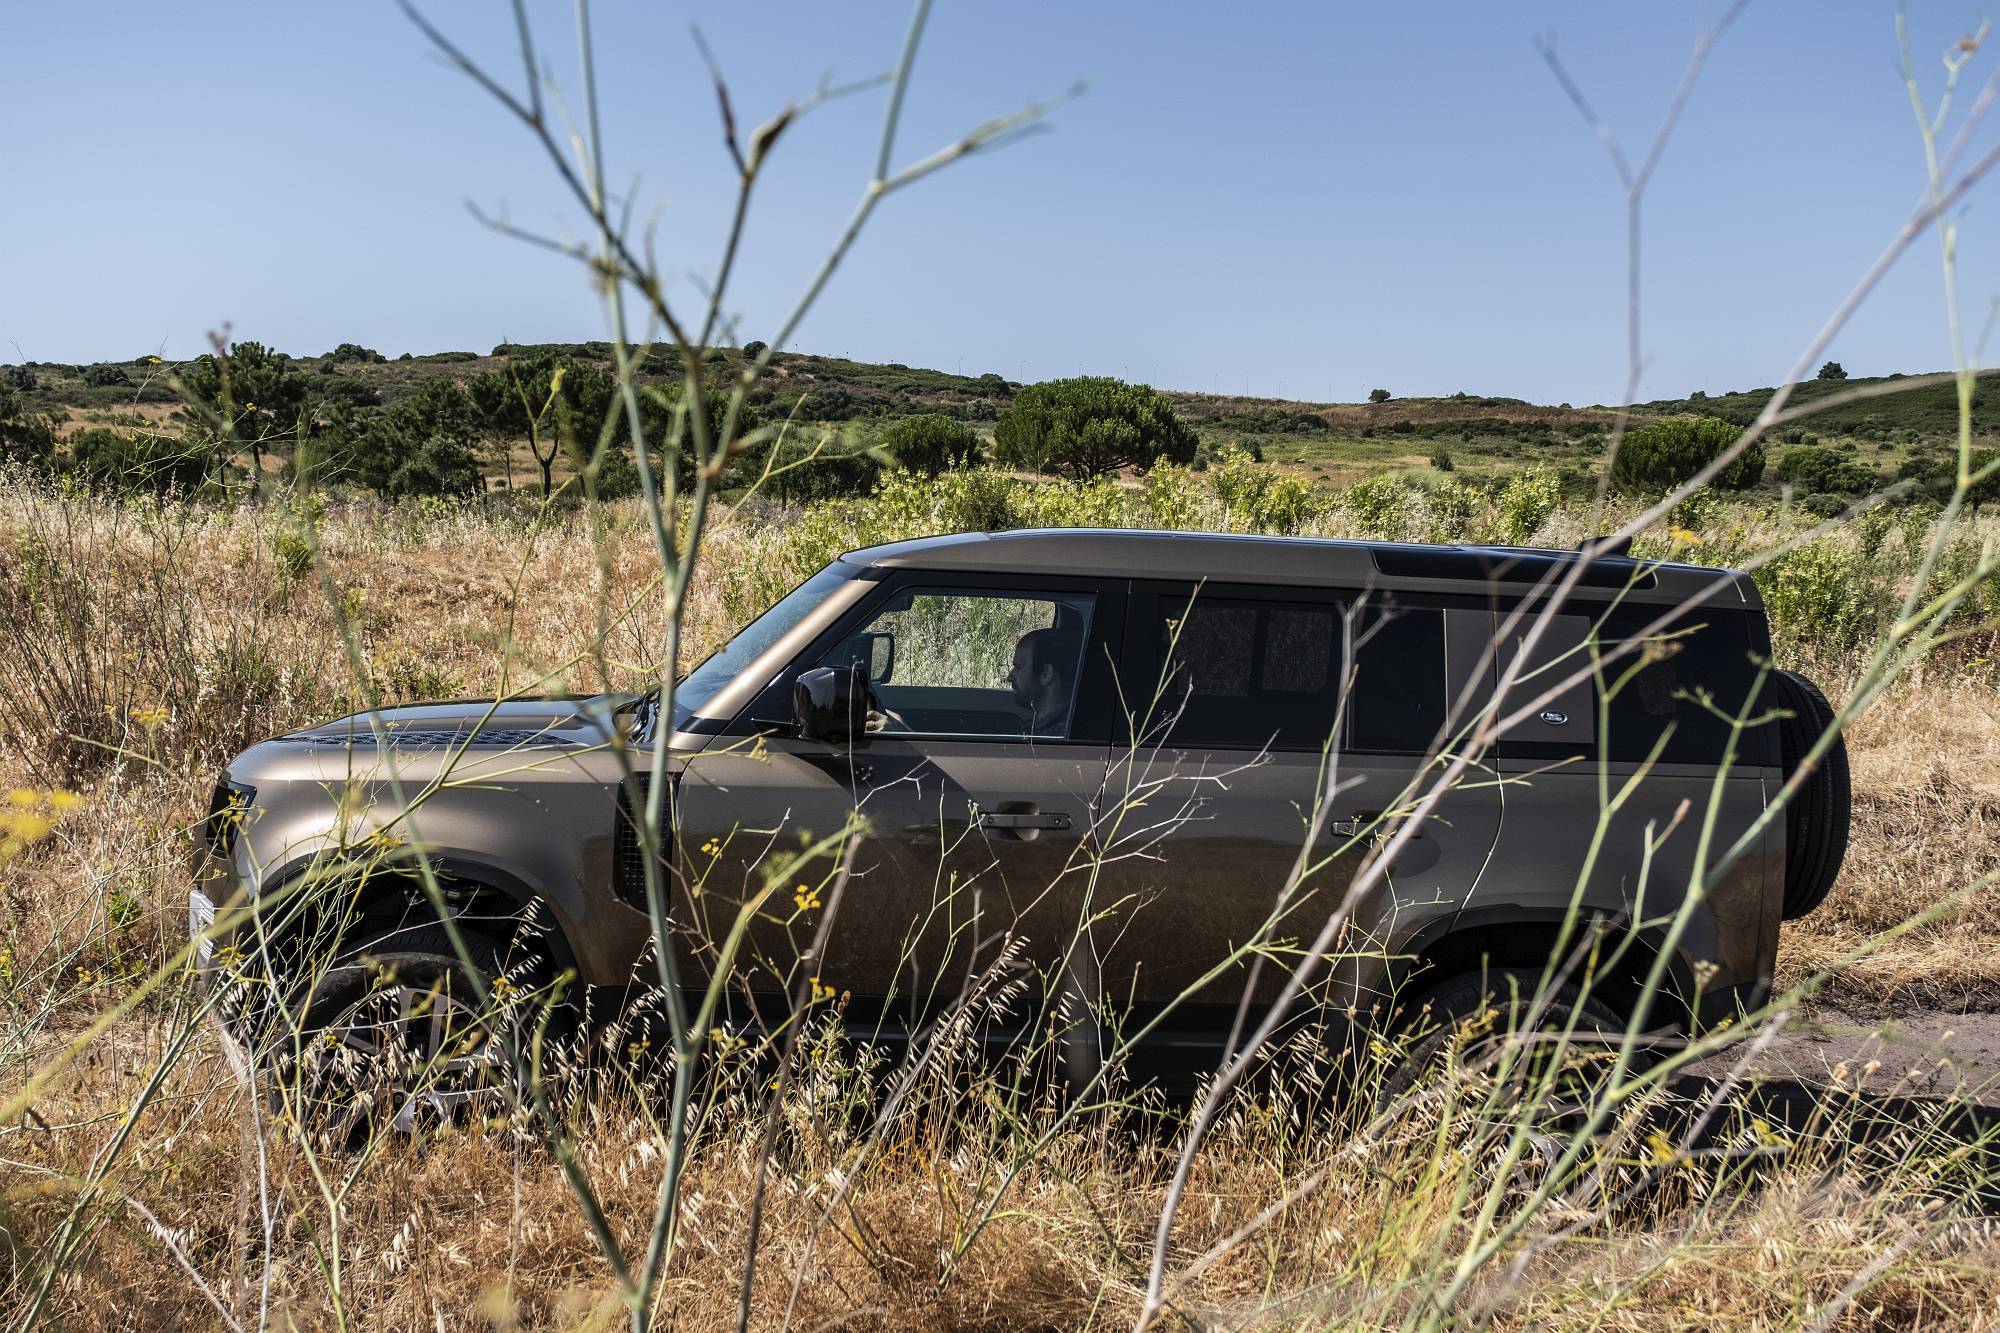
(475, 1227)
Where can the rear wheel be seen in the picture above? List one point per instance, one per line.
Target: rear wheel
(1507, 1044)
(1816, 818)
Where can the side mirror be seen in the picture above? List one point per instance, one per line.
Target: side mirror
(831, 704)
(881, 657)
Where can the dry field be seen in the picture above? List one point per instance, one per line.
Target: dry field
(186, 634)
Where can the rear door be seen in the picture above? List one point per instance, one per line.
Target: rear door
(1250, 708)
(975, 791)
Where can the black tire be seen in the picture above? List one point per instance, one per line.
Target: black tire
(394, 1036)
(1816, 819)
(1454, 1013)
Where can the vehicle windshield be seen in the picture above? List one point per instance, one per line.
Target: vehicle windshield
(727, 662)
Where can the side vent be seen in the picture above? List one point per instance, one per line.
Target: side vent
(628, 852)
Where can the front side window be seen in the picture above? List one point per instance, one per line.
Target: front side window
(972, 662)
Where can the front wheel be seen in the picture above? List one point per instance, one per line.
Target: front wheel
(401, 1035)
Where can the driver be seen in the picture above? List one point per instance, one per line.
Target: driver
(1044, 661)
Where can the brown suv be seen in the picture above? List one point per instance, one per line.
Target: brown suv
(1088, 763)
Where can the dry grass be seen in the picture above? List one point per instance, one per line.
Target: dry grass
(204, 618)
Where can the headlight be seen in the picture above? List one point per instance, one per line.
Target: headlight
(226, 813)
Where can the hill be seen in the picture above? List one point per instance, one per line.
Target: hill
(1337, 443)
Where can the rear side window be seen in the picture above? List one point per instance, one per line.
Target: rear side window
(1685, 681)
(1671, 688)
(1399, 679)
(1243, 674)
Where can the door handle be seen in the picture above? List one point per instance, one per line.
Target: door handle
(1351, 828)
(1013, 820)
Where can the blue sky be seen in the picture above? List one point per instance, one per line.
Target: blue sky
(1281, 198)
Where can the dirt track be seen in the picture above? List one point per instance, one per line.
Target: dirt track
(1924, 1053)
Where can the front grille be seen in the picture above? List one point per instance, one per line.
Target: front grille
(227, 810)
(628, 854)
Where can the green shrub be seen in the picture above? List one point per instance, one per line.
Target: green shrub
(126, 461)
(1441, 459)
(1526, 502)
(21, 377)
(1378, 395)
(27, 439)
(931, 443)
(830, 469)
(1172, 497)
(1823, 593)
(356, 353)
(1819, 468)
(1096, 503)
(753, 349)
(1378, 507)
(1661, 455)
(908, 505)
(1089, 426)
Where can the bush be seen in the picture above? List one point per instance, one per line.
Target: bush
(21, 377)
(103, 376)
(826, 471)
(905, 504)
(1089, 426)
(826, 402)
(1831, 371)
(1816, 468)
(423, 445)
(355, 352)
(1822, 592)
(1378, 395)
(1441, 459)
(752, 350)
(931, 443)
(27, 439)
(1526, 502)
(121, 461)
(1661, 455)
(1172, 498)
(1379, 507)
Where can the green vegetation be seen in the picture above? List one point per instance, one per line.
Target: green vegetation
(26, 438)
(1089, 426)
(930, 443)
(1659, 457)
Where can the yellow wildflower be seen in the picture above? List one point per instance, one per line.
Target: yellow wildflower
(24, 797)
(806, 898)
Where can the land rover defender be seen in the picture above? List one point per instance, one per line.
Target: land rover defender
(1122, 768)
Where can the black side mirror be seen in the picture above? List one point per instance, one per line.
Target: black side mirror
(831, 704)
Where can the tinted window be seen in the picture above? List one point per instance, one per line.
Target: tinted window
(1660, 685)
(1245, 674)
(1399, 680)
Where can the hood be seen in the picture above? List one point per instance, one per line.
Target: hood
(473, 724)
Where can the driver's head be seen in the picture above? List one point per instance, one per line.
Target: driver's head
(1043, 661)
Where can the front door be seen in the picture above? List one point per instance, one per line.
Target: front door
(973, 793)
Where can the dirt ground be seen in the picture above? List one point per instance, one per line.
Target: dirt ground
(1918, 1053)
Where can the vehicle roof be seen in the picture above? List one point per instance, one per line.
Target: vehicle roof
(1302, 562)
